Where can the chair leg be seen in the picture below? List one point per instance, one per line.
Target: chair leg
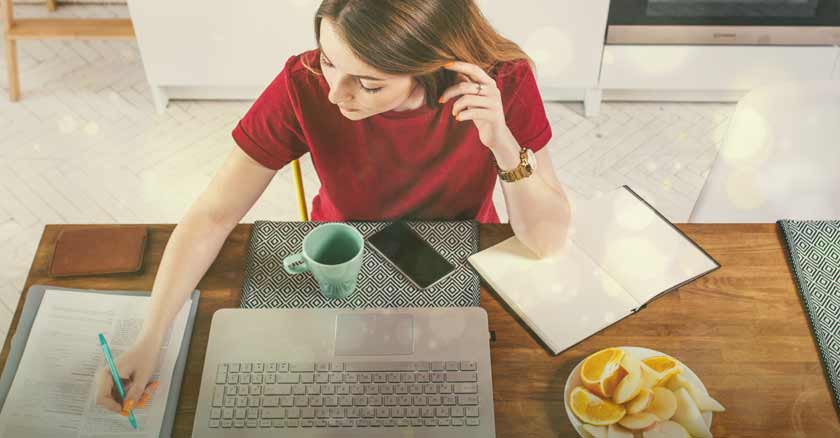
(12, 70)
(51, 5)
(301, 198)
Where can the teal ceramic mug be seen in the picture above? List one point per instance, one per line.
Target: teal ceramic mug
(332, 252)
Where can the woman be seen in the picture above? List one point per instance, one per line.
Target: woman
(409, 109)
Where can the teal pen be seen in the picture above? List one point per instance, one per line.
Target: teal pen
(116, 376)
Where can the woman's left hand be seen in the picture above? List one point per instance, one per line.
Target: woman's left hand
(484, 109)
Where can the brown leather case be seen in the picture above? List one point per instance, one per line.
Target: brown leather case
(98, 250)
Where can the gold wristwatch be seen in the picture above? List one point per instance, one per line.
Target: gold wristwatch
(527, 166)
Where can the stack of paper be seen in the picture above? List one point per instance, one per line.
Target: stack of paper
(53, 393)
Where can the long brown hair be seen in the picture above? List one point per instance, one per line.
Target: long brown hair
(417, 37)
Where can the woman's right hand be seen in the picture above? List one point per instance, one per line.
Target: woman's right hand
(135, 366)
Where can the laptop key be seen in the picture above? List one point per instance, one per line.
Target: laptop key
(467, 399)
(307, 413)
(465, 388)
(438, 365)
(282, 367)
(251, 423)
(457, 421)
(239, 423)
(271, 401)
(278, 423)
(265, 423)
(245, 368)
(471, 411)
(294, 412)
(214, 423)
(299, 367)
(227, 423)
(461, 376)
(472, 421)
(230, 401)
(216, 413)
(451, 365)
(253, 402)
(219, 395)
(467, 365)
(287, 378)
(307, 423)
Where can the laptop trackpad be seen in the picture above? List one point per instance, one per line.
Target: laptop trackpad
(363, 334)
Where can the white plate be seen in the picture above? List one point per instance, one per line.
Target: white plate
(640, 353)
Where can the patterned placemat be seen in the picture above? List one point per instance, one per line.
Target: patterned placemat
(813, 249)
(267, 285)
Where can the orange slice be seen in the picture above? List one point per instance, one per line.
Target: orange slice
(601, 371)
(593, 409)
(666, 366)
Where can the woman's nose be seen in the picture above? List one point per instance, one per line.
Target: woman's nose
(339, 93)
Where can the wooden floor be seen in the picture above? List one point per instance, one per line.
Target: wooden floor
(84, 145)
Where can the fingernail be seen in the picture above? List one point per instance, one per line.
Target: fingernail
(449, 64)
(458, 117)
(440, 100)
(128, 405)
(124, 413)
(154, 385)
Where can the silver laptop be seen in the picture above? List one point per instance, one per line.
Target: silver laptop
(421, 372)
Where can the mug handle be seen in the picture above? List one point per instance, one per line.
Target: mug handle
(295, 264)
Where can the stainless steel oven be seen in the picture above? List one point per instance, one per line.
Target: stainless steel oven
(741, 22)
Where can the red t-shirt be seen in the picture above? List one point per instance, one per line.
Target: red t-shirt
(416, 164)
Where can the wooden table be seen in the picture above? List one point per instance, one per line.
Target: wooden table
(741, 329)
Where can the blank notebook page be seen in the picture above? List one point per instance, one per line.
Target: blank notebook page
(637, 247)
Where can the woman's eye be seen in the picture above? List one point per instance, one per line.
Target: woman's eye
(369, 90)
(366, 89)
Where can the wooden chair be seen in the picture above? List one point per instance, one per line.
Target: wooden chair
(304, 215)
(56, 29)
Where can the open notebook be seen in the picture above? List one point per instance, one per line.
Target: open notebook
(620, 255)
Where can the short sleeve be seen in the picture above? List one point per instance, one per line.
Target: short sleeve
(270, 132)
(523, 106)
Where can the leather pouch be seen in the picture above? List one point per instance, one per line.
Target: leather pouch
(98, 250)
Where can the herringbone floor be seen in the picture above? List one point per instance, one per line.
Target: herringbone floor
(84, 145)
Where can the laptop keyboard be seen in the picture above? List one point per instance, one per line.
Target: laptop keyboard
(345, 394)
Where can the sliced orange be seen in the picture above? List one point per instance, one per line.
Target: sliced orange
(601, 371)
(666, 366)
(593, 409)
